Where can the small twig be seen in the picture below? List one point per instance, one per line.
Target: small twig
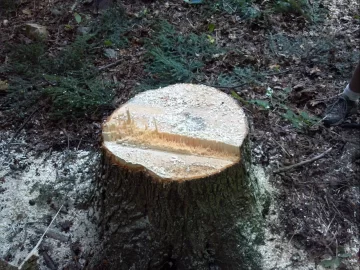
(67, 136)
(111, 65)
(34, 250)
(328, 227)
(287, 168)
(77, 148)
(284, 150)
(74, 5)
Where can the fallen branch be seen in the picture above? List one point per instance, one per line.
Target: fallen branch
(288, 168)
(110, 65)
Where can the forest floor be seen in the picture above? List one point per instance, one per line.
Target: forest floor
(283, 67)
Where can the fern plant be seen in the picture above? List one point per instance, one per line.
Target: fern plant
(77, 95)
(68, 80)
(241, 75)
(174, 57)
(112, 27)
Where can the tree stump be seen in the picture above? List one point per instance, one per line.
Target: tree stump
(175, 187)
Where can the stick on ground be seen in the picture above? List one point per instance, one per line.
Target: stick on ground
(288, 168)
(35, 249)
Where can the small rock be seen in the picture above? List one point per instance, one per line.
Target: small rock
(5, 22)
(91, 212)
(36, 31)
(56, 12)
(3, 86)
(111, 53)
(298, 87)
(351, 152)
(315, 71)
(83, 30)
(26, 11)
(295, 257)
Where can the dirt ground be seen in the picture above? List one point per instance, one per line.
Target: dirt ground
(314, 215)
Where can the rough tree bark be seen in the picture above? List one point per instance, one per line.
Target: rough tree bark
(176, 192)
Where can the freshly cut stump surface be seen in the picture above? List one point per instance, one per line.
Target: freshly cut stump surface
(179, 133)
(174, 183)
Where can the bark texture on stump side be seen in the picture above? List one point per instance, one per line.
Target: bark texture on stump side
(149, 224)
(174, 191)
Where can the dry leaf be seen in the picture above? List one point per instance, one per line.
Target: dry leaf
(314, 70)
(36, 31)
(26, 11)
(4, 86)
(276, 67)
(315, 102)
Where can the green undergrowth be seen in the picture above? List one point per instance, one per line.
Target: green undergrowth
(276, 101)
(174, 57)
(180, 58)
(256, 9)
(320, 51)
(112, 27)
(312, 11)
(242, 75)
(68, 78)
(336, 261)
(247, 9)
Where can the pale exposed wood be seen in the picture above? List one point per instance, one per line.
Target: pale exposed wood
(182, 131)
